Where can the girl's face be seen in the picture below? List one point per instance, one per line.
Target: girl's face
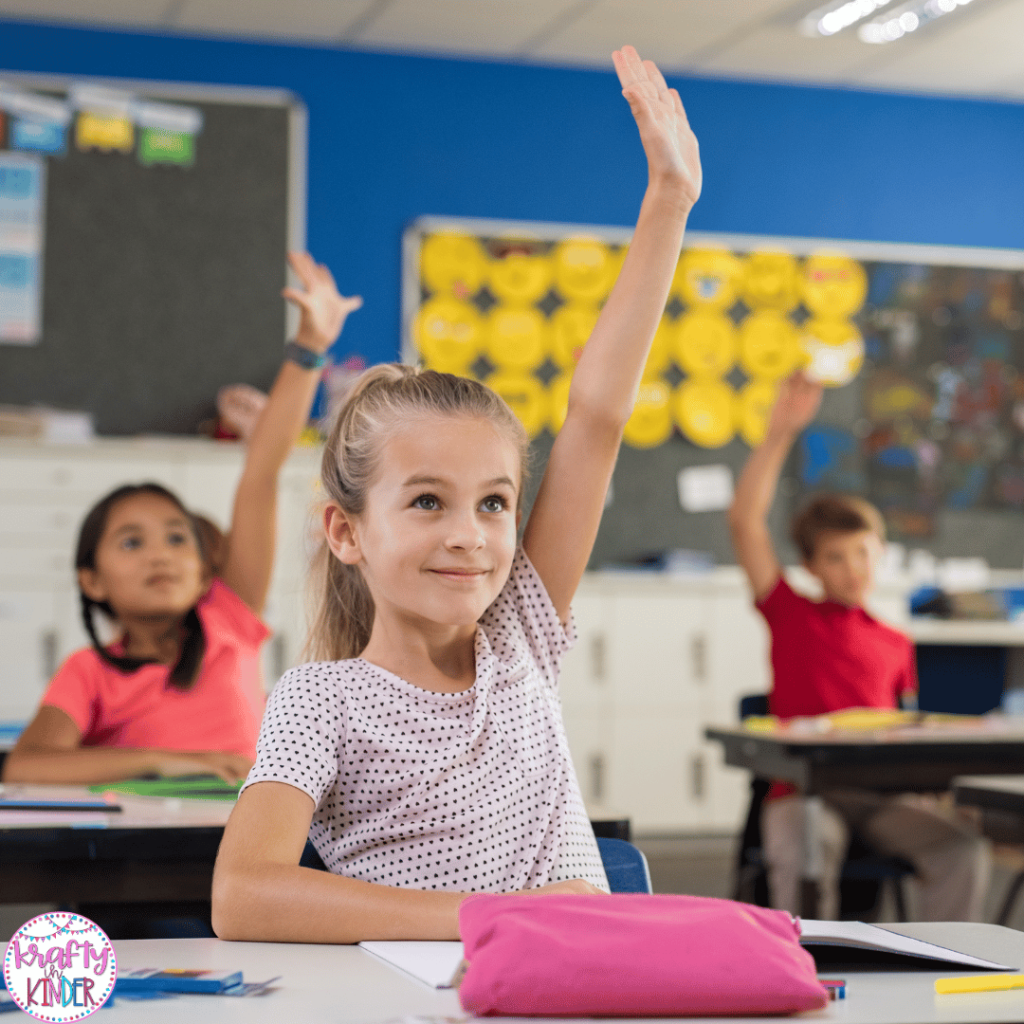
(147, 561)
(436, 539)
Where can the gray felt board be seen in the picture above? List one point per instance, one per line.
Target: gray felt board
(162, 283)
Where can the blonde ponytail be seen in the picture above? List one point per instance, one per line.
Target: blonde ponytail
(379, 402)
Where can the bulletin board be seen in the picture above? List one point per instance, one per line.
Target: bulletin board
(919, 348)
(164, 216)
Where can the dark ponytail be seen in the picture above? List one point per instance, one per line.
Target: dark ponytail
(193, 642)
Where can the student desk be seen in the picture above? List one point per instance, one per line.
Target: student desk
(154, 850)
(1000, 801)
(912, 758)
(343, 984)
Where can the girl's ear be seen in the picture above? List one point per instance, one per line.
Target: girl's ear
(90, 585)
(340, 529)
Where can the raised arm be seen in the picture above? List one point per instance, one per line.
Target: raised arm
(795, 407)
(249, 561)
(565, 517)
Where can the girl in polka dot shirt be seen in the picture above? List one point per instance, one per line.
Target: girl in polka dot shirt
(424, 755)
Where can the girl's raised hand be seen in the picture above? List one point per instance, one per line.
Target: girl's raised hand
(322, 309)
(670, 145)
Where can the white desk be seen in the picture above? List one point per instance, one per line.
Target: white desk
(344, 985)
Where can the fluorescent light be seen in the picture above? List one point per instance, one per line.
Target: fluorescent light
(834, 17)
(909, 17)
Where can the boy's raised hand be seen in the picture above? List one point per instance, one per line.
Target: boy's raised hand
(670, 145)
(322, 309)
(797, 404)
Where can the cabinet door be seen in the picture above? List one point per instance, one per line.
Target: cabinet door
(658, 771)
(583, 680)
(28, 639)
(658, 658)
(740, 654)
(587, 732)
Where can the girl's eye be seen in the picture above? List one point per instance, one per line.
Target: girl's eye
(177, 539)
(131, 543)
(427, 502)
(494, 503)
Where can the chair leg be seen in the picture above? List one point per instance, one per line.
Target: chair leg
(899, 900)
(1011, 898)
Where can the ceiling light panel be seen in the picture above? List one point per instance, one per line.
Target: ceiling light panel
(907, 18)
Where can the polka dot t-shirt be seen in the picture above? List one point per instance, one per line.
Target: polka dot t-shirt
(471, 791)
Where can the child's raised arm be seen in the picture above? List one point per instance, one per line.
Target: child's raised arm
(249, 560)
(565, 517)
(797, 404)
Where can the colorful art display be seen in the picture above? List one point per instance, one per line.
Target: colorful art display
(22, 195)
(517, 312)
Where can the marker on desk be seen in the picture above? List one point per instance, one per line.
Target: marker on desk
(979, 983)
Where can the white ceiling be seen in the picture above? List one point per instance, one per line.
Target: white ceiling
(976, 51)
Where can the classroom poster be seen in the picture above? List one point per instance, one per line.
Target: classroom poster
(22, 199)
(924, 343)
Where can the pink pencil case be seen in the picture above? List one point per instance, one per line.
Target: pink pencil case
(632, 955)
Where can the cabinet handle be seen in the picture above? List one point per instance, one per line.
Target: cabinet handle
(597, 777)
(697, 776)
(699, 656)
(597, 656)
(48, 642)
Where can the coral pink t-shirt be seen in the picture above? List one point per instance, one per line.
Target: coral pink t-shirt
(221, 711)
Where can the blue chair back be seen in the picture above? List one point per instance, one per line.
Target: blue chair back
(624, 864)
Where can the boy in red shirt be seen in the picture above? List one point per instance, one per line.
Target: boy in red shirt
(829, 655)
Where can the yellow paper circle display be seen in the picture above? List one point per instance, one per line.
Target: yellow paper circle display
(453, 264)
(584, 269)
(651, 422)
(753, 408)
(704, 412)
(835, 351)
(834, 285)
(516, 338)
(705, 343)
(571, 326)
(558, 401)
(662, 347)
(771, 280)
(527, 397)
(707, 277)
(769, 345)
(448, 334)
(520, 277)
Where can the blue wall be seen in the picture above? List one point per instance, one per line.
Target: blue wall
(394, 137)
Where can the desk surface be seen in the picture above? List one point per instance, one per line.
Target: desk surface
(893, 760)
(343, 984)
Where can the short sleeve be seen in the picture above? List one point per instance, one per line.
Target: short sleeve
(524, 608)
(222, 611)
(74, 689)
(778, 604)
(303, 730)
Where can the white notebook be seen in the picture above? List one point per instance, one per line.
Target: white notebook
(433, 963)
(857, 935)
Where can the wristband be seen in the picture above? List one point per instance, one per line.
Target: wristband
(305, 357)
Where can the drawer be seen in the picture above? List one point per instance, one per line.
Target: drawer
(89, 475)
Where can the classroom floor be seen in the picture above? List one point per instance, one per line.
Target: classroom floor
(701, 865)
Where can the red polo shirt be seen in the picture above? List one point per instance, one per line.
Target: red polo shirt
(827, 656)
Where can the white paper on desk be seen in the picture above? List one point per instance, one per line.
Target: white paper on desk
(433, 963)
(858, 935)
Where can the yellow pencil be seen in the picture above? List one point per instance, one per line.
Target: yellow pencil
(979, 983)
